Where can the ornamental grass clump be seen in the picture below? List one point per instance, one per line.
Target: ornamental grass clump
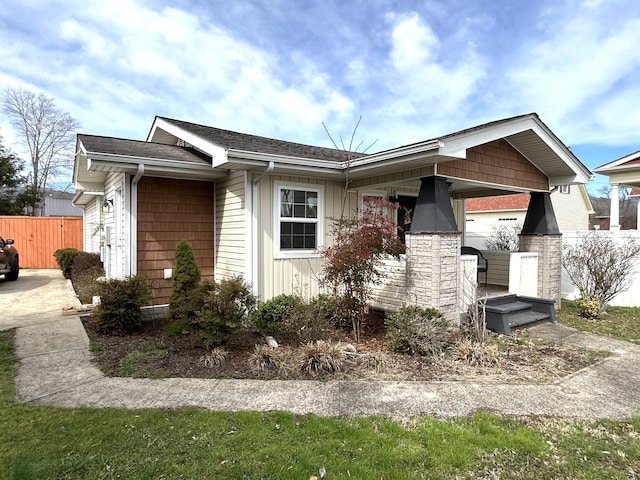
(265, 357)
(320, 357)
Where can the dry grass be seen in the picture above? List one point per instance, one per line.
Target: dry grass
(214, 358)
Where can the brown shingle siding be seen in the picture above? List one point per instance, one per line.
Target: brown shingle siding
(169, 211)
(496, 162)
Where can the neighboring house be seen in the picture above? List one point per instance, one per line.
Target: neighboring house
(261, 207)
(571, 205)
(623, 172)
(58, 204)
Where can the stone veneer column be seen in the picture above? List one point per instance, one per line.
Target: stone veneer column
(549, 249)
(433, 269)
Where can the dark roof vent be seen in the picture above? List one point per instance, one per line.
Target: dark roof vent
(433, 212)
(540, 219)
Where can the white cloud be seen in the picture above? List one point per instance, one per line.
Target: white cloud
(580, 69)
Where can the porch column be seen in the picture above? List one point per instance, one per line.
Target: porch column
(433, 251)
(614, 211)
(540, 234)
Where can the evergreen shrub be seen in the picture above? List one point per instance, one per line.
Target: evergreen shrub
(228, 306)
(120, 301)
(187, 295)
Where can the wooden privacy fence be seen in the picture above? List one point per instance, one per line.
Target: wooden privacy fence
(38, 237)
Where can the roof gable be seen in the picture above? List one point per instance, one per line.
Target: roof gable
(631, 160)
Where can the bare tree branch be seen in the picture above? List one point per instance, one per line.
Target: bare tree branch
(46, 131)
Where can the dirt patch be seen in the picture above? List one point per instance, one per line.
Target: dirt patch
(149, 352)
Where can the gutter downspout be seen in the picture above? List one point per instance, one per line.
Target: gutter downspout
(133, 220)
(254, 243)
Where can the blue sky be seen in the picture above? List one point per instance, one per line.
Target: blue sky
(412, 69)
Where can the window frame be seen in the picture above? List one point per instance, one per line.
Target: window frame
(280, 253)
(565, 189)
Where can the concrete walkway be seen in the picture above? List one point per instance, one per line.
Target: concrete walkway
(54, 368)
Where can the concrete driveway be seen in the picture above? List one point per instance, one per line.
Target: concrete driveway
(54, 368)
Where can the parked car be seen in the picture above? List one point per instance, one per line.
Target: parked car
(9, 259)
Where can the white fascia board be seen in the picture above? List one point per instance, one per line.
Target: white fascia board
(98, 161)
(303, 165)
(82, 197)
(456, 146)
(80, 153)
(396, 155)
(565, 180)
(217, 152)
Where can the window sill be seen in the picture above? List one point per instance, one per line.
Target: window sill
(289, 254)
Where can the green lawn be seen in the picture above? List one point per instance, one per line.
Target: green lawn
(58, 443)
(619, 322)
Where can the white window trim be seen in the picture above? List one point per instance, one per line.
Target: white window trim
(302, 253)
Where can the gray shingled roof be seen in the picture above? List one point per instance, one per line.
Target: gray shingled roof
(252, 143)
(137, 148)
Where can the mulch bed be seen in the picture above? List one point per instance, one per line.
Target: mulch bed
(149, 352)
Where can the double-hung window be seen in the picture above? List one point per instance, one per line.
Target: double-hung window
(298, 219)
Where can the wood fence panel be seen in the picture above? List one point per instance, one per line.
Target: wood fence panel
(38, 237)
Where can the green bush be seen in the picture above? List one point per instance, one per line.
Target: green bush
(332, 308)
(588, 308)
(64, 258)
(305, 324)
(120, 301)
(228, 306)
(418, 331)
(186, 295)
(268, 318)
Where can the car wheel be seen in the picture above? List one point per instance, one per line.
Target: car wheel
(15, 270)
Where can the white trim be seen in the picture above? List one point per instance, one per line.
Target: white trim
(319, 220)
(250, 238)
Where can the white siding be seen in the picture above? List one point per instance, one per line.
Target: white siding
(114, 257)
(92, 226)
(301, 275)
(292, 275)
(231, 226)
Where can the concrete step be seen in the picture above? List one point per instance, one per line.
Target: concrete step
(525, 317)
(509, 311)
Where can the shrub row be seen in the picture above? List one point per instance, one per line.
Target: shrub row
(83, 269)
